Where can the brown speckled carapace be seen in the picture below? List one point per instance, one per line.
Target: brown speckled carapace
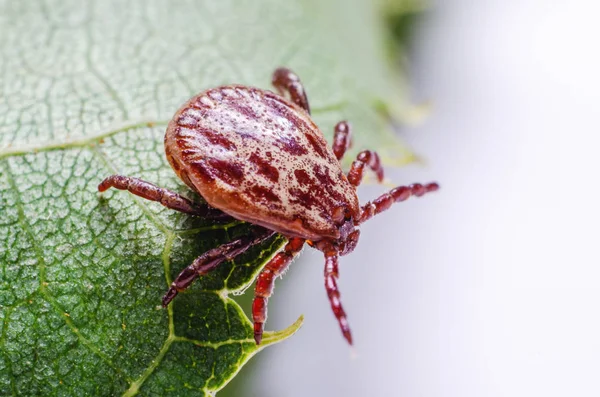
(261, 159)
(257, 156)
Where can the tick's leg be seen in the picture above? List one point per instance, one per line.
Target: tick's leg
(266, 281)
(395, 195)
(166, 197)
(342, 139)
(366, 158)
(284, 80)
(331, 275)
(213, 258)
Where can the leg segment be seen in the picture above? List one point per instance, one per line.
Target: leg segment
(395, 195)
(331, 276)
(342, 139)
(166, 197)
(284, 81)
(365, 158)
(213, 258)
(266, 281)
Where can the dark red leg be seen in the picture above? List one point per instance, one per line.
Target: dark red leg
(213, 258)
(331, 276)
(266, 281)
(166, 197)
(284, 81)
(366, 158)
(342, 139)
(395, 195)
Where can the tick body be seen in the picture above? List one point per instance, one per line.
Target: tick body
(261, 159)
(257, 156)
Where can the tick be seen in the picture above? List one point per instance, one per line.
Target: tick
(258, 157)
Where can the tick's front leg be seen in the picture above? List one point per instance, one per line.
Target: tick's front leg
(331, 275)
(266, 281)
(395, 195)
(166, 197)
(284, 80)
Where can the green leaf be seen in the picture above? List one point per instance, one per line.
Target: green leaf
(87, 89)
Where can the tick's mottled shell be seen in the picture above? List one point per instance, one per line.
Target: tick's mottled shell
(260, 158)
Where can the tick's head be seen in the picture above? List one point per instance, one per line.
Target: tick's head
(344, 219)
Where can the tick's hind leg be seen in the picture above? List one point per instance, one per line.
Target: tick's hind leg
(166, 197)
(284, 80)
(395, 195)
(266, 281)
(366, 158)
(213, 258)
(342, 139)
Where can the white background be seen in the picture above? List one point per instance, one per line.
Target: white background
(490, 287)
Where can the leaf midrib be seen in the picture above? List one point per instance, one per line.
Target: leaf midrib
(80, 142)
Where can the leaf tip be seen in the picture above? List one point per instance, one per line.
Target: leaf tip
(271, 337)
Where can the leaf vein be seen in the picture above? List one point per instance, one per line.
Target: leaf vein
(135, 385)
(134, 388)
(42, 277)
(11, 377)
(102, 79)
(88, 140)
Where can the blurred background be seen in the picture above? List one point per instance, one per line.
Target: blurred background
(491, 286)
